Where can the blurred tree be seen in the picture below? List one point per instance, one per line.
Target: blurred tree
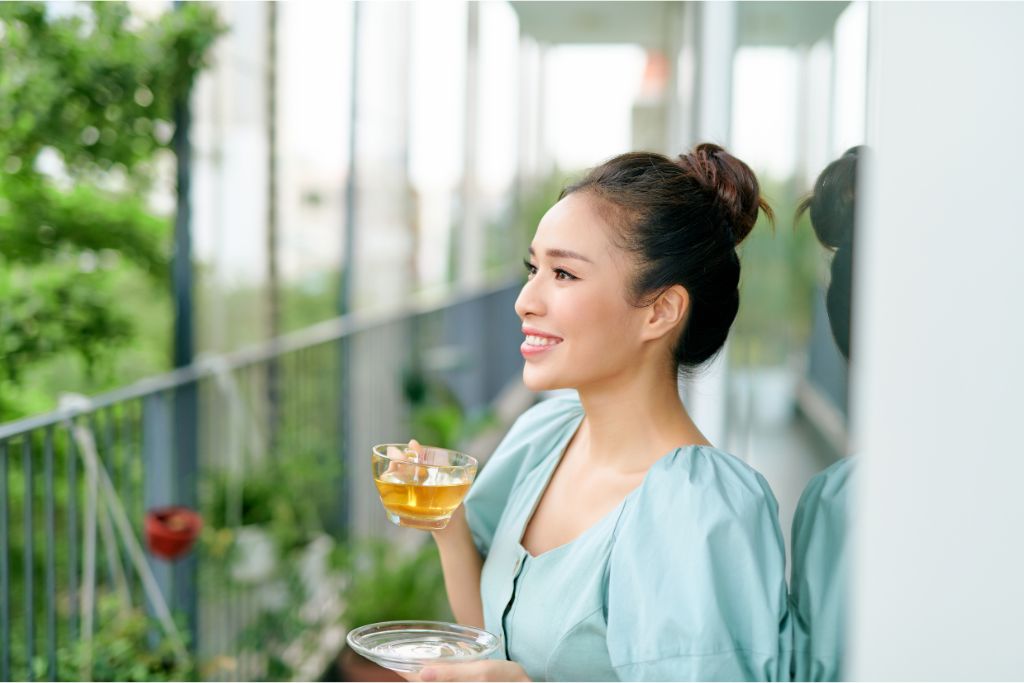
(86, 111)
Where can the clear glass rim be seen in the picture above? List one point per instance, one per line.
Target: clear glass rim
(380, 451)
(353, 639)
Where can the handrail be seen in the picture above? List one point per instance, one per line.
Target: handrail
(315, 335)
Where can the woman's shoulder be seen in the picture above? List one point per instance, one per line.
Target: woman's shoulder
(702, 525)
(533, 435)
(542, 424)
(701, 476)
(831, 483)
(824, 500)
(700, 499)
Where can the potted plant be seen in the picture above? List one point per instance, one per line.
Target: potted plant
(121, 649)
(257, 519)
(171, 531)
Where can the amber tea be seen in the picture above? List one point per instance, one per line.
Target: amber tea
(421, 487)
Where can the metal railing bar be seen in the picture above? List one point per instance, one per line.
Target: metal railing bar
(5, 582)
(51, 561)
(72, 533)
(102, 558)
(26, 456)
(321, 333)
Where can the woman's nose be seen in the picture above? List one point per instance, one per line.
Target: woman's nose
(529, 301)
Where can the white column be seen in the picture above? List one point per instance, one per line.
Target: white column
(938, 368)
(471, 233)
(707, 397)
(717, 45)
(384, 244)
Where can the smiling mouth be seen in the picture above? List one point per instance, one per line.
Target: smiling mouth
(534, 340)
(536, 346)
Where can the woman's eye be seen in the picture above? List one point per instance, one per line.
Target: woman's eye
(559, 273)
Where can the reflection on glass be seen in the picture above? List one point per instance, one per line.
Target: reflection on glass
(819, 579)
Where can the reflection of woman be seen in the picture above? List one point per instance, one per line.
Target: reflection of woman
(820, 556)
(607, 538)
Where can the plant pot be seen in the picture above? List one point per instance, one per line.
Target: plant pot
(171, 531)
(353, 667)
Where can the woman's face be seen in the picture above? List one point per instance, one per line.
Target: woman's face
(575, 299)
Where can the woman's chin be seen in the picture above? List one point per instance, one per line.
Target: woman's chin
(537, 382)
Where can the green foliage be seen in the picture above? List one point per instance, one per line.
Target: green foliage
(87, 100)
(387, 584)
(437, 425)
(121, 650)
(437, 418)
(273, 630)
(779, 271)
(289, 495)
(95, 86)
(48, 309)
(378, 582)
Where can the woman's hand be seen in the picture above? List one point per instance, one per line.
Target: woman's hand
(484, 670)
(401, 466)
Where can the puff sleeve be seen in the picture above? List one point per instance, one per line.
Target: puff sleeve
(820, 574)
(696, 580)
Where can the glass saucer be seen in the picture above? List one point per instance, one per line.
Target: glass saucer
(410, 645)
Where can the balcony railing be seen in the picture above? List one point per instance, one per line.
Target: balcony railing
(321, 396)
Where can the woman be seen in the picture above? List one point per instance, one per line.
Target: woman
(606, 538)
(820, 526)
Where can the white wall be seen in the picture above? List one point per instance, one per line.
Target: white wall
(938, 369)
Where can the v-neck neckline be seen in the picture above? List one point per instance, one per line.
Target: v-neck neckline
(563, 447)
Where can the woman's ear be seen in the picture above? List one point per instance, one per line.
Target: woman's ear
(667, 312)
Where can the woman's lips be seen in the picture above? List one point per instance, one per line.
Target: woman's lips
(533, 350)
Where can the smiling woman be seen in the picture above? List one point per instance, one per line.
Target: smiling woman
(607, 538)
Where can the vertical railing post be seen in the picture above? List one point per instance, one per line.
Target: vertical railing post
(347, 285)
(185, 475)
(185, 412)
(5, 581)
(30, 609)
(72, 530)
(51, 560)
(274, 394)
(158, 488)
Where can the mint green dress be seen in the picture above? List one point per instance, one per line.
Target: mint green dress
(684, 580)
(820, 575)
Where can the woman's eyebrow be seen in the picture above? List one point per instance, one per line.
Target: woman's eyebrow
(562, 253)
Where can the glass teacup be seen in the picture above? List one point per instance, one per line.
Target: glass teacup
(421, 486)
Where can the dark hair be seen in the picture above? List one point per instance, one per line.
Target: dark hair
(682, 220)
(833, 207)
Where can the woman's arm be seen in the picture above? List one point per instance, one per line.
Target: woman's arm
(462, 564)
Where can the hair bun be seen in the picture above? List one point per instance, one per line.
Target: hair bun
(832, 204)
(734, 186)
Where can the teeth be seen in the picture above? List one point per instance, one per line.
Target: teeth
(540, 341)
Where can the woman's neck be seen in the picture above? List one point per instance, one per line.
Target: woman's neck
(631, 423)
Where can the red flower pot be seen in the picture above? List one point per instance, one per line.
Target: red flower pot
(171, 531)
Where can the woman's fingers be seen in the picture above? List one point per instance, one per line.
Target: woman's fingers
(399, 467)
(484, 670)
